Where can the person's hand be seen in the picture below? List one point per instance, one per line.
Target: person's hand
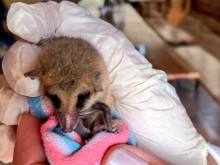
(29, 148)
(126, 154)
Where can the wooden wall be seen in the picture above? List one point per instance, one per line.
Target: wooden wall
(207, 7)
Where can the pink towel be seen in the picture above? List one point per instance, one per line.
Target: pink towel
(67, 148)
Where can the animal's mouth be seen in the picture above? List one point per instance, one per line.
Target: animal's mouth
(67, 122)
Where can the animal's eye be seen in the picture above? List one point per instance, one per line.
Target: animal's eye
(82, 98)
(55, 100)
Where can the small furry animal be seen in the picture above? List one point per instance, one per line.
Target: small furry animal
(74, 82)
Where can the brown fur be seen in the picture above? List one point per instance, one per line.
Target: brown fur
(67, 68)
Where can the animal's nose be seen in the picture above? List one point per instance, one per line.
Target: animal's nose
(67, 129)
(67, 122)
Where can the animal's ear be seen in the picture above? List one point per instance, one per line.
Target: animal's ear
(36, 72)
(32, 74)
(97, 81)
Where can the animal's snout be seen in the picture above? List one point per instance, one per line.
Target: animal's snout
(67, 122)
(67, 129)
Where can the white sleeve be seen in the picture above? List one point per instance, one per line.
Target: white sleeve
(142, 95)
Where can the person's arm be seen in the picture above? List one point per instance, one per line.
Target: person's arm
(29, 146)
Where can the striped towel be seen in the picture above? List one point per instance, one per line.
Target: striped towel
(67, 148)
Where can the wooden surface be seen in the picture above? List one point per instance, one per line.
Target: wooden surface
(198, 58)
(138, 32)
(157, 9)
(202, 109)
(170, 33)
(196, 25)
(158, 54)
(152, 8)
(207, 7)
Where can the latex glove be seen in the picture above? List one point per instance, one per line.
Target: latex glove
(12, 105)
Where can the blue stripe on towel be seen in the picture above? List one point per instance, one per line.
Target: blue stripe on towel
(36, 108)
(38, 111)
(73, 146)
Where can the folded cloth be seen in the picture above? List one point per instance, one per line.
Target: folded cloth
(66, 148)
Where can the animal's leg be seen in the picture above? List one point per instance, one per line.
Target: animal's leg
(107, 114)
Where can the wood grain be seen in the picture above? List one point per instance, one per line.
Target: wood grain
(197, 25)
(202, 109)
(170, 33)
(210, 8)
(138, 32)
(198, 58)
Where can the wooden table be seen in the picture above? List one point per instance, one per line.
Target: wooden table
(152, 8)
(171, 34)
(200, 59)
(158, 52)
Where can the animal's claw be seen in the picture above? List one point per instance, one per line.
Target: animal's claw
(116, 126)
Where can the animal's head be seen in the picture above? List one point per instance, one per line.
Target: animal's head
(66, 92)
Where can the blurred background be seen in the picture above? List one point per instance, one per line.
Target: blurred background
(180, 37)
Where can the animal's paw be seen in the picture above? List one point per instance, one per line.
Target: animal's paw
(98, 128)
(116, 126)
